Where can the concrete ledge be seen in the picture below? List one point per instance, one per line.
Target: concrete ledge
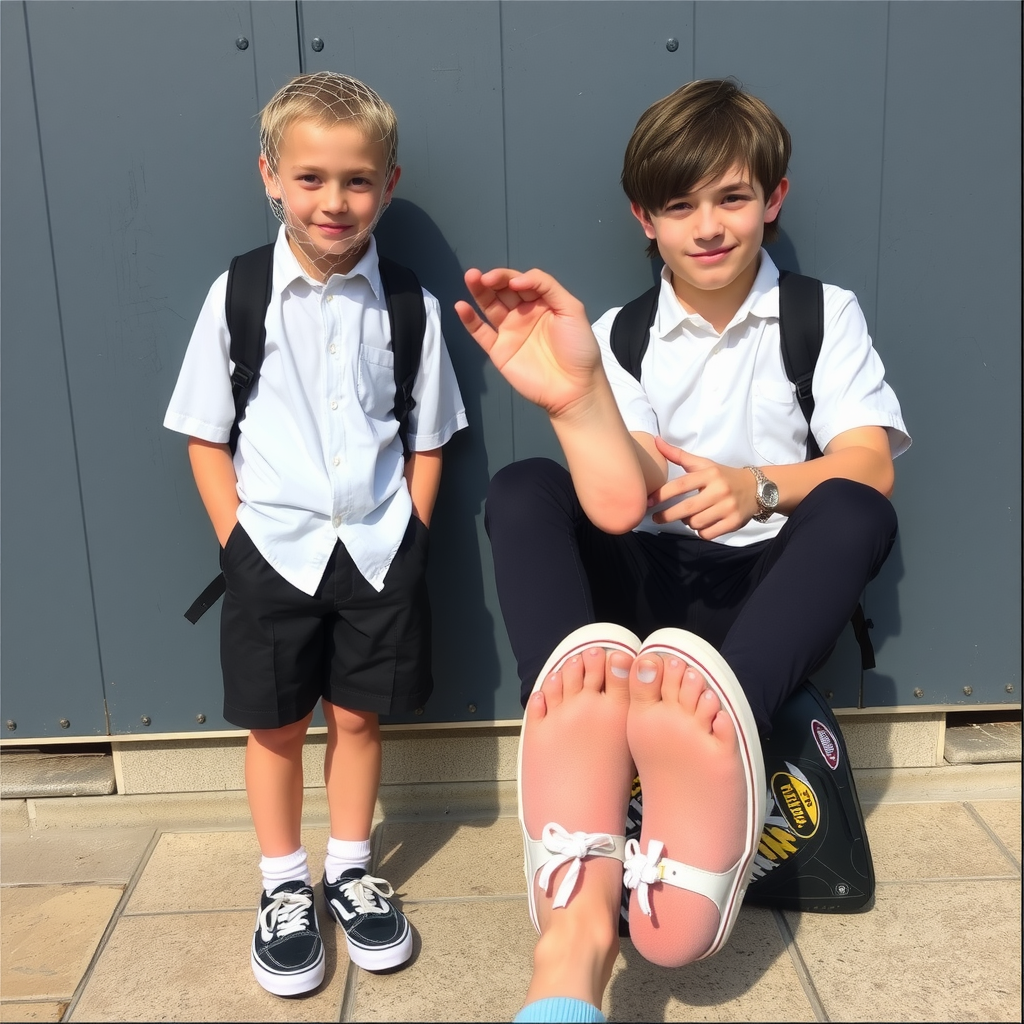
(33, 773)
(455, 801)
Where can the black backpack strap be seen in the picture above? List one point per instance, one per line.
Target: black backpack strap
(248, 295)
(250, 277)
(802, 328)
(631, 329)
(408, 318)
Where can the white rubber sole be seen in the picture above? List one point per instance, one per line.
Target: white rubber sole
(289, 984)
(381, 959)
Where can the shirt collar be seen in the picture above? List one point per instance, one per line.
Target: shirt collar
(287, 268)
(762, 300)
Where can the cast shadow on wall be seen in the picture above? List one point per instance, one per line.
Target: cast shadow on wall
(467, 668)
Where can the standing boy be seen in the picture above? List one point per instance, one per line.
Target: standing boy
(321, 520)
(687, 503)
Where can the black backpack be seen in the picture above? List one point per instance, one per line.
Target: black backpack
(250, 278)
(801, 328)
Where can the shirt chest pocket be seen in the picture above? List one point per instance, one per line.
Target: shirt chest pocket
(778, 427)
(375, 384)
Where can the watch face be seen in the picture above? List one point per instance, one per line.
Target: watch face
(769, 495)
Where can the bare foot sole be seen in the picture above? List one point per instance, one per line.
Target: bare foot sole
(574, 765)
(696, 748)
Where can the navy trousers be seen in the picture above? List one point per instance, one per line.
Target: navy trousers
(773, 609)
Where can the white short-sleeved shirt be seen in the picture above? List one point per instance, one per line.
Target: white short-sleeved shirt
(319, 458)
(726, 396)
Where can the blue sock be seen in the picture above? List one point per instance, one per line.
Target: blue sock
(560, 1008)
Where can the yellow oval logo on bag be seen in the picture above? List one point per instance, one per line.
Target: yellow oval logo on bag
(798, 803)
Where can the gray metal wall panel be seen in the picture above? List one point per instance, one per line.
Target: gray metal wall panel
(949, 326)
(51, 667)
(139, 155)
(577, 76)
(439, 65)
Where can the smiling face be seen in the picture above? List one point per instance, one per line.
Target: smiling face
(711, 236)
(333, 184)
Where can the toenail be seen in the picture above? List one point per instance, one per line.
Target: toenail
(673, 662)
(646, 675)
(618, 670)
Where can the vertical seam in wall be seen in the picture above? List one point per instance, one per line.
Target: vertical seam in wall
(298, 37)
(64, 361)
(504, 174)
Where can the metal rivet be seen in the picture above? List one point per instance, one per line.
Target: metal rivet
(671, 45)
(146, 720)
(471, 708)
(419, 711)
(1009, 687)
(242, 43)
(919, 692)
(200, 719)
(317, 43)
(11, 725)
(968, 690)
(828, 695)
(65, 724)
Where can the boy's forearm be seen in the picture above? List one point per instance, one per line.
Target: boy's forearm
(604, 460)
(866, 465)
(423, 477)
(214, 474)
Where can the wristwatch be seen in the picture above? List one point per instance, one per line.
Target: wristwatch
(767, 495)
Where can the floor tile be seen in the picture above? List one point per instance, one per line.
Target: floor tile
(910, 841)
(925, 952)
(752, 978)
(31, 1011)
(210, 871)
(437, 859)
(50, 933)
(86, 855)
(196, 968)
(472, 961)
(1003, 817)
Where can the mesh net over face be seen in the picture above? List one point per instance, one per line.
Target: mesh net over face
(328, 100)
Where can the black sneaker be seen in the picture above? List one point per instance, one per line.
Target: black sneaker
(378, 935)
(287, 954)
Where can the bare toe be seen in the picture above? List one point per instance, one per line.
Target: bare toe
(572, 675)
(594, 666)
(693, 686)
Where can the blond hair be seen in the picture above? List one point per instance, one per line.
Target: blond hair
(327, 98)
(695, 135)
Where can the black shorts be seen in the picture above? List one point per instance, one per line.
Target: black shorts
(282, 650)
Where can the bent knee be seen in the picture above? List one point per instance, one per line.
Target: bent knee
(520, 488)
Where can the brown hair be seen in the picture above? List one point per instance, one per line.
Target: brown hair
(328, 98)
(697, 133)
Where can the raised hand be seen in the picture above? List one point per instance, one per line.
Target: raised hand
(536, 334)
(725, 500)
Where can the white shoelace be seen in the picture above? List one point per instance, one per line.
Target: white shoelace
(642, 870)
(361, 892)
(285, 914)
(569, 848)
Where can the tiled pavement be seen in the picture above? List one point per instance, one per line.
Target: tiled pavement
(149, 922)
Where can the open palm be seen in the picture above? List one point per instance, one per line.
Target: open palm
(536, 334)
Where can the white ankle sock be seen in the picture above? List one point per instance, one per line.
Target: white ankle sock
(290, 868)
(343, 854)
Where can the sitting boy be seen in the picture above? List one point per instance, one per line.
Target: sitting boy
(688, 515)
(321, 519)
